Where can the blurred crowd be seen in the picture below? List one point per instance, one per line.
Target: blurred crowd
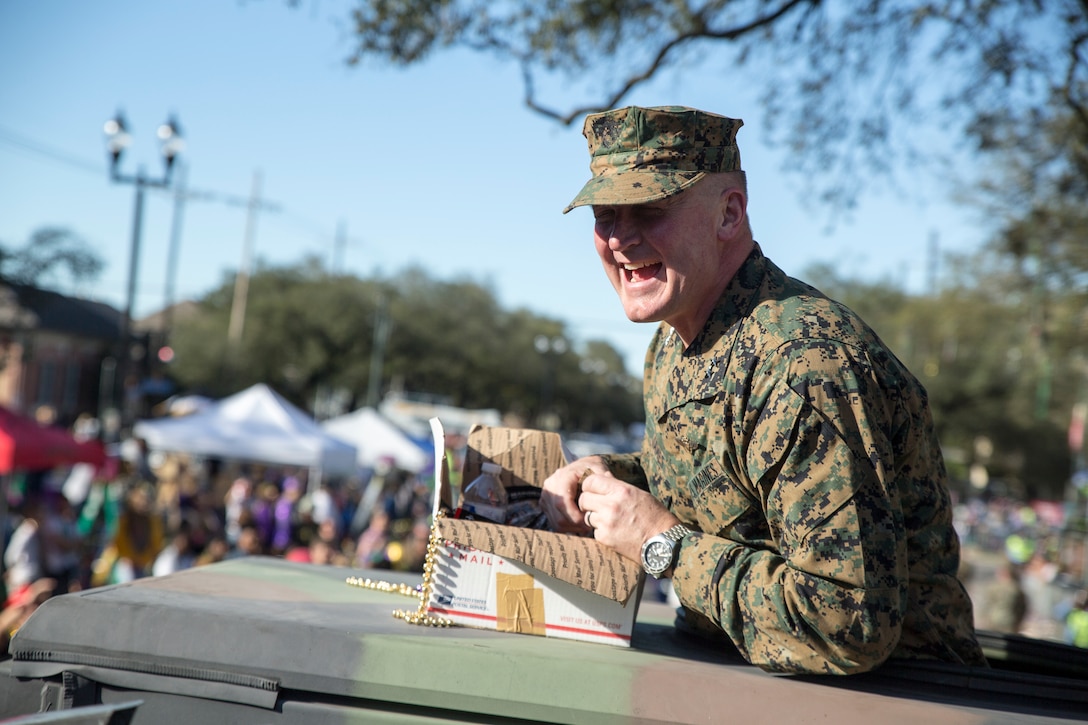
(1026, 569)
(150, 515)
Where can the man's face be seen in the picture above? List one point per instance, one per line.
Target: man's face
(664, 258)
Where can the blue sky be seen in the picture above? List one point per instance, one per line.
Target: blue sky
(438, 165)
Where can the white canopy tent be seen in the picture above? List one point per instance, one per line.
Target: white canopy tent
(256, 425)
(376, 437)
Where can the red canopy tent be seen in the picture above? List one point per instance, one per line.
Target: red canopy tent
(26, 445)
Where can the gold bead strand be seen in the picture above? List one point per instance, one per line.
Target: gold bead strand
(422, 592)
(381, 586)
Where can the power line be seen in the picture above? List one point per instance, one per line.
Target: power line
(299, 221)
(10, 137)
(37, 147)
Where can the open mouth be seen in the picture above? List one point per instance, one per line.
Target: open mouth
(641, 271)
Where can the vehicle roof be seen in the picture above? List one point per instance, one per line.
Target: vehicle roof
(259, 631)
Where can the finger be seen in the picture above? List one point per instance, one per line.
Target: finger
(562, 489)
(570, 521)
(596, 482)
(582, 478)
(595, 503)
(563, 513)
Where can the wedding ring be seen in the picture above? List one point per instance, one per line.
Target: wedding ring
(588, 514)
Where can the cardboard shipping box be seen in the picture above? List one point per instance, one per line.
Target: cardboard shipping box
(522, 580)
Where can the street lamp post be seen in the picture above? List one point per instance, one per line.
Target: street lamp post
(550, 348)
(170, 145)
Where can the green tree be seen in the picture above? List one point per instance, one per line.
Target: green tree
(1035, 188)
(970, 343)
(302, 328)
(848, 85)
(51, 254)
(307, 331)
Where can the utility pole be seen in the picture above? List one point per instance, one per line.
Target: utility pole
(170, 145)
(241, 279)
(183, 194)
(933, 261)
(382, 327)
(172, 252)
(338, 247)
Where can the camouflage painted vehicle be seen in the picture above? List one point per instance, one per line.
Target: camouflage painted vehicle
(262, 640)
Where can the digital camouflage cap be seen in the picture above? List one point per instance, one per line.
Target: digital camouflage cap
(644, 154)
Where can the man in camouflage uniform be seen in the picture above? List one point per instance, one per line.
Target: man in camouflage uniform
(789, 456)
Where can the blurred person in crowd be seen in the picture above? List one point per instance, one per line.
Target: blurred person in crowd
(248, 544)
(285, 514)
(383, 482)
(23, 553)
(351, 495)
(1020, 547)
(329, 532)
(61, 542)
(20, 605)
(370, 551)
(413, 551)
(177, 555)
(143, 462)
(217, 549)
(456, 444)
(1076, 620)
(138, 540)
(406, 497)
(99, 514)
(416, 499)
(347, 552)
(305, 527)
(323, 504)
(168, 494)
(320, 551)
(86, 427)
(790, 482)
(299, 552)
(237, 507)
(263, 509)
(205, 515)
(1006, 603)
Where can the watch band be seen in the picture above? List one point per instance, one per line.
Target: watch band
(678, 532)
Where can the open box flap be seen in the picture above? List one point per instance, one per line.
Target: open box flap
(527, 457)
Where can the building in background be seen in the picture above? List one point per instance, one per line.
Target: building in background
(58, 354)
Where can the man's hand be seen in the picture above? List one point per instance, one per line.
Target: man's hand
(584, 497)
(559, 497)
(622, 516)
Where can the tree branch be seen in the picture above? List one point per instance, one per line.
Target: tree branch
(1076, 106)
(659, 59)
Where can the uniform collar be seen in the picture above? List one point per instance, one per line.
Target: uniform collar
(698, 371)
(736, 302)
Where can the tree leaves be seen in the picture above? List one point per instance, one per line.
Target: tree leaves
(849, 84)
(50, 253)
(307, 331)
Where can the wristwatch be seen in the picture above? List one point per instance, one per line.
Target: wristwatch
(659, 552)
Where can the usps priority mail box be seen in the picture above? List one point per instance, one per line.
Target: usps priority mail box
(526, 581)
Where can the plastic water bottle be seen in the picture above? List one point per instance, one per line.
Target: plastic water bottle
(485, 497)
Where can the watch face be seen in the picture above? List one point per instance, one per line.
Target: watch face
(658, 557)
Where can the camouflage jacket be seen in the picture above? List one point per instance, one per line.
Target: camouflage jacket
(805, 454)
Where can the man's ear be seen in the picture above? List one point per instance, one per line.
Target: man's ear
(734, 213)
